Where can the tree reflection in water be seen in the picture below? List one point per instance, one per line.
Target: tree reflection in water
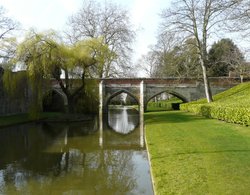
(56, 159)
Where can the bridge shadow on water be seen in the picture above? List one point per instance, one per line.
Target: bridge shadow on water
(170, 117)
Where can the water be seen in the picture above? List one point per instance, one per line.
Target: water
(69, 159)
(123, 120)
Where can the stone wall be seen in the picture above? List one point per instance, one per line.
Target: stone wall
(14, 104)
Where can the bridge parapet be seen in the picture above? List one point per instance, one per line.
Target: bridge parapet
(175, 80)
(187, 89)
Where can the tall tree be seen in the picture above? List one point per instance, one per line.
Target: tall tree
(172, 60)
(155, 61)
(197, 19)
(7, 40)
(182, 61)
(225, 56)
(110, 22)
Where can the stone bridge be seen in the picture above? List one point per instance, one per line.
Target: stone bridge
(142, 90)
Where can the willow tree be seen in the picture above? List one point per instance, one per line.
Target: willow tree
(45, 58)
(198, 19)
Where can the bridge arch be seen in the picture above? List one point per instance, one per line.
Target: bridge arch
(58, 100)
(181, 97)
(118, 93)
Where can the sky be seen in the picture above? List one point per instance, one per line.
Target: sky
(53, 14)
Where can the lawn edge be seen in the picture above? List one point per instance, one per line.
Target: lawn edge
(149, 161)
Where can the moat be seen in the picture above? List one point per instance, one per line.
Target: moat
(57, 158)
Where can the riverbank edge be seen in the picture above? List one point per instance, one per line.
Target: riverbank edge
(11, 120)
(17, 119)
(149, 162)
(147, 146)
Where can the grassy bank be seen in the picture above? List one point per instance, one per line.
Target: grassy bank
(194, 155)
(231, 106)
(24, 118)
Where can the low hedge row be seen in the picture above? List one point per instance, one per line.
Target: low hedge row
(232, 114)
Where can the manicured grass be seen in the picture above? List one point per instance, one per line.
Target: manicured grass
(194, 155)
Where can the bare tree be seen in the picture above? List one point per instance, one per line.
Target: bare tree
(240, 17)
(149, 63)
(7, 42)
(110, 22)
(154, 61)
(174, 57)
(198, 19)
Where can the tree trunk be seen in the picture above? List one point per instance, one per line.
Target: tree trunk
(206, 83)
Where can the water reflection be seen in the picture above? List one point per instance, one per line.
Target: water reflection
(123, 119)
(67, 159)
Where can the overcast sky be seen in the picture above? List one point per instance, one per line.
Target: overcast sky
(53, 14)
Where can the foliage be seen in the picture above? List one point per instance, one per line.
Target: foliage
(231, 106)
(179, 60)
(195, 155)
(15, 83)
(45, 58)
(225, 56)
(89, 101)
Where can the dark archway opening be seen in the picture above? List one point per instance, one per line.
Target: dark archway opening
(122, 98)
(53, 102)
(165, 101)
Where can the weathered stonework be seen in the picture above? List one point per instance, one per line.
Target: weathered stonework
(187, 89)
(17, 104)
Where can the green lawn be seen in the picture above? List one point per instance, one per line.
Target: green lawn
(193, 155)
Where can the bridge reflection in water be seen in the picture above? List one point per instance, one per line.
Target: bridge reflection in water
(123, 119)
(62, 158)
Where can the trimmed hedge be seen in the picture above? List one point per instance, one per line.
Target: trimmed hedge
(231, 106)
(171, 104)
